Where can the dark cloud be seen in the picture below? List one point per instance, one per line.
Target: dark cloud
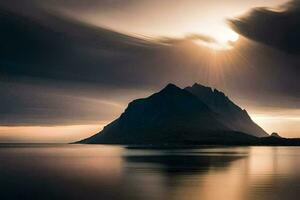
(277, 28)
(65, 49)
(41, 103)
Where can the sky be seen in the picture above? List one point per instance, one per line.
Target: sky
(69, 67)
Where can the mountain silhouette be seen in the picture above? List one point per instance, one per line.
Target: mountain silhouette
(231, 115)
(172, 116)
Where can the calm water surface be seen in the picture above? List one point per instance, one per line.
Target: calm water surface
(115, 172)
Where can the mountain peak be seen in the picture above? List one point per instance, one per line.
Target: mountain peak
(171, 86)
(199, 86)
(207, 88)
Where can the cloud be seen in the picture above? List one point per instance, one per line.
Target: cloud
(190, 37)
(60, 48)
(47, 103)
(202, 37)
(277, 28)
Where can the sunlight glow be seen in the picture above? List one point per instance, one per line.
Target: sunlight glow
(285, 122)
(48, 134)
(224, 36)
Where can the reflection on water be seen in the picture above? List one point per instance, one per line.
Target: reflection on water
(115, 172)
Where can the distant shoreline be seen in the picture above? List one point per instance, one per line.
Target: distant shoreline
(265, 141)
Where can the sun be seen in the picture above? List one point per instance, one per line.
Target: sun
(224, 37)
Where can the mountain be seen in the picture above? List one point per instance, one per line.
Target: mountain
(171, 116)
(232, 115)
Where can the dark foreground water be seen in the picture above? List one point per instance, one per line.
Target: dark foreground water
(113, 172)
